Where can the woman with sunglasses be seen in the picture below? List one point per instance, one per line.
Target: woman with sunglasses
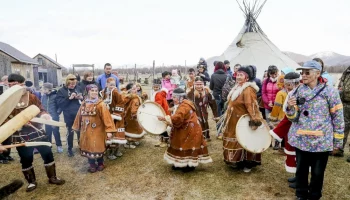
(69, 98)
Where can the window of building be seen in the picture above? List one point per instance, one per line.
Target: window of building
(28, 73)
(40, 61)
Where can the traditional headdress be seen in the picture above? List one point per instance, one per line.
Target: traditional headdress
(179, 92)
(89, 87)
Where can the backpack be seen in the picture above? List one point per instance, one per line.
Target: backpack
(345, 85)
(229, 83)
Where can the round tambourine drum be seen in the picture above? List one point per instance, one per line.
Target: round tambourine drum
(9, 100)
(254, 141)
(147, 116)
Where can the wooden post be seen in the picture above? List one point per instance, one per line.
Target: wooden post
(154, 68)
(135, 77)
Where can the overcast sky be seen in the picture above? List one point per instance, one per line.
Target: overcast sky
(138, 31)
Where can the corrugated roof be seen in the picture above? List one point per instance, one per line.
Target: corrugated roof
(51, 60)
(16, 54)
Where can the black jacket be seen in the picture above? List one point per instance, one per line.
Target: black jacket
(205, 78)
(217, 81)
(258, 83)
(82, 85)
(50, 104)
(67, 105)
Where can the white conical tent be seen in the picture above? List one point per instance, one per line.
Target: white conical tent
(252, 47)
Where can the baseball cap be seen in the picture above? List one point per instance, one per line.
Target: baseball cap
(311, 65)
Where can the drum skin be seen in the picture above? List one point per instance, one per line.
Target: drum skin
(147, 117)
(9, 100)
(254, 141)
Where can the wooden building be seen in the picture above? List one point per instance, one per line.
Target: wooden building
(49, 70)
(14, 61)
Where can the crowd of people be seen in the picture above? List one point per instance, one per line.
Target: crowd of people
(309, 118)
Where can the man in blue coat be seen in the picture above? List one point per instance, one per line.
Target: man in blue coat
(102, 79)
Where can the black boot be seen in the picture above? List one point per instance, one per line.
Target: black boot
(293, 185)
(188, 169)
(29, 175)
(10, 188)
(51, 174)
(277, 145)
(292, 179)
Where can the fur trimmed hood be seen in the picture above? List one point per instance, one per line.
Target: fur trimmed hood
(237, 90)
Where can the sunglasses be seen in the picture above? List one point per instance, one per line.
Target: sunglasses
(72, 79)
(307, 73)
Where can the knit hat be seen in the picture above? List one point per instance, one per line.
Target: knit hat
(174, 71)
(48, 86)
(226, 62)
(29, 84)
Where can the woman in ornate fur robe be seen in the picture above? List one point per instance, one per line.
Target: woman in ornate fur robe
(133, 131)
(95, 124)
(202, 99)
(241, 100)
(187, 145)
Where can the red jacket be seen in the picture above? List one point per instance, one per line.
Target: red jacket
(160, 99)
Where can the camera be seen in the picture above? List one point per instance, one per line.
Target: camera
(301, 100)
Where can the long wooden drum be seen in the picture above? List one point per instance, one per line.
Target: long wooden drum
(9, 100)
(148, 120)
(254, 141)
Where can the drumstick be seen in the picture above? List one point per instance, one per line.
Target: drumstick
(35, 128)
(48, 122)
(28, 144)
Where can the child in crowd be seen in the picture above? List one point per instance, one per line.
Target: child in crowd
(175, 78)
(190, 80)
(140, 92)
(203, 74)
(160, 98)
(48, 100)
(166, 83)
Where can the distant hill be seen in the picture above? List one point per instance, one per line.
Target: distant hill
(329, 58)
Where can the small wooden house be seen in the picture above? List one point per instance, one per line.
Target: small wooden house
(14, 61)
(49, 70)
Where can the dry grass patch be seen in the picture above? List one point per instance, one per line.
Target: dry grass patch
(143, 174)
